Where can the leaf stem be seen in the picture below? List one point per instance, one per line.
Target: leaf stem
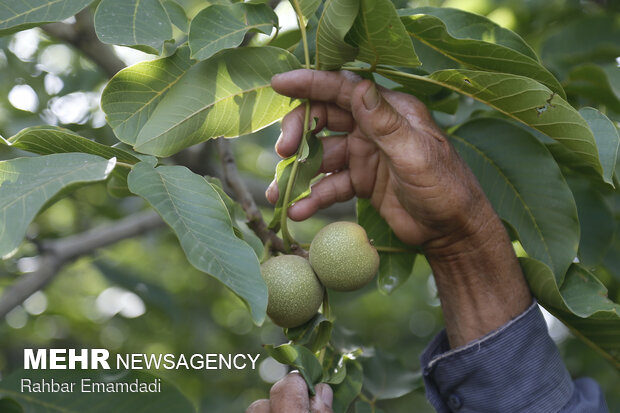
(326, 311)
(302, 30)
(288, 239)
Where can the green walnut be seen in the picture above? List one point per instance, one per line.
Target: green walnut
(295, 294)
(343, 257)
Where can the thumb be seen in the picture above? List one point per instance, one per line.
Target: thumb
(377, 118)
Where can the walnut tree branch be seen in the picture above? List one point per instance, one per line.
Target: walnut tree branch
(82, 36)
(244, 197)
(57, 253)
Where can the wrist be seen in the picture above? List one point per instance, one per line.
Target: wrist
(480, 283)
(480, 228)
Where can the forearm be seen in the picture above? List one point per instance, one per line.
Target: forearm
(480, 283)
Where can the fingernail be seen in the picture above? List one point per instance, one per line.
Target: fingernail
(371, 98)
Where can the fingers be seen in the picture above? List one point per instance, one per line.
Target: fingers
(322, 402)
(290, 395)
(259, 406)
(328, 115)
(329, 190)
(334, 158)
(322, 86)
(379, 121)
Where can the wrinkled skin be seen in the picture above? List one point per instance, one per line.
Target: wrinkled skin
(393, 153)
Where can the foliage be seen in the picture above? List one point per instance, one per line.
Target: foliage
(531, 104)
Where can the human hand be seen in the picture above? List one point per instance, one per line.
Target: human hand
(290, 395)
(393, 153)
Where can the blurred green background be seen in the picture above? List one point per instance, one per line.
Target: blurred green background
(142, 296)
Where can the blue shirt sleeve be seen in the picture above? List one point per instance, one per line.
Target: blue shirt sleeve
(516, 368)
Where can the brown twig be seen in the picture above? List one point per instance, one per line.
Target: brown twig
(57, 253)
(244, 197)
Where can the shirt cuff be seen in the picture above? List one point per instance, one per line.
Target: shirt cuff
(516, 368)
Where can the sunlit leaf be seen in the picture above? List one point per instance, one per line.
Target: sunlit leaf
(335, 22)
(27, 184)
(307, 7)
(165, 105)
(476, 46)
(16, 15)
(381, 37)
(220, 27)
(521, 98)
(460, 24)
(46, 140)
(525, 186)
(199, 218)
(140, 23)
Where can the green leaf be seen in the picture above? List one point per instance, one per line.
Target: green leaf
(140, 23)
(386, 378)
(46, 140)
(525, 186)
(460, 24)
(315, 334)
(394, 267)
(476, 49)
(381, 36)
(307, 169)
(607, 140)
(520, 98)
(165, 105)
(238, 217)
(299, 358)
(220, 27)
(600, 84)
(177, 15)
(593, 38)
(16, 15)
(335, 22)
(168, 399)
(27, 184)
(10, 406)
(581, 303)
(307, 7)
(347, 391)
(596, 221)
(200, 220)
(363, 407)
